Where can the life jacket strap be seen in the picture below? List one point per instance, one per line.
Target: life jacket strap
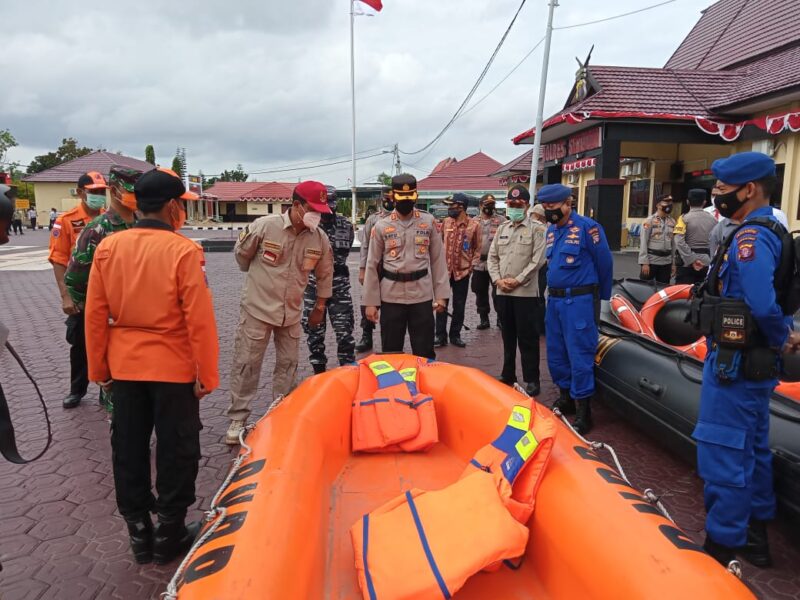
(426, 547)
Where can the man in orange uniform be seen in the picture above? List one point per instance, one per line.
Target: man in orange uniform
(150, 332)
(92, 193)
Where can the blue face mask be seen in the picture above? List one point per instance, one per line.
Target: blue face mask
(95, 201)
(515, 214)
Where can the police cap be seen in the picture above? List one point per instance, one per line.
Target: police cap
(404, 187)
(458, 198)
(744, 167)
(518, 192)
(553, 192)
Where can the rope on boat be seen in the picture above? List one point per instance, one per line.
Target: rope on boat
(215, 512)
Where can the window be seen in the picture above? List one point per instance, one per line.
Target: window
(639, 198)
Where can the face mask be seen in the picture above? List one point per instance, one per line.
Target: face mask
(404, 207)
(311, 219)
(667, 209)
(515, 214)
(728, 204)
(388, 205)
(95, 201)
(553, 215)
(127, 199)
(177, 217)
(453, 213)
(488, 210)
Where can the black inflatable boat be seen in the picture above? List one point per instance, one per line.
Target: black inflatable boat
(658, 388)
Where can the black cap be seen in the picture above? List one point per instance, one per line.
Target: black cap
(458, 198)
(157, 187)
(404, 187)
(519, 192)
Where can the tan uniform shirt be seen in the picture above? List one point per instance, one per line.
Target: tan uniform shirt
(489, 227)
(462, 242)
(692, 235)
(657, 238)
(518, 251)
(406, 246)
(278, 261)
(368, 225)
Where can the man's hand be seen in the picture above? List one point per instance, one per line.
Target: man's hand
(698, 265)
(511, 284)
(361, 274)
(674, 270)
(106, 385)
(439, 306)
(199, 390)
(371, 312)
(646, 270)
(792, 344)
(68, 306)
(316, 316)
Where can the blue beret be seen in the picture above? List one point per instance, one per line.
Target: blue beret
(743, 167)
(553, 192)
(458, 198)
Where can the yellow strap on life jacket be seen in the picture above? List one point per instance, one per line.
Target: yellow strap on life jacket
(409, 374)
(526, 446)
(380, 367)
(520, 418)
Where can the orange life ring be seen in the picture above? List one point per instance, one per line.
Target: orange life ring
(660, 299)
(629, 317)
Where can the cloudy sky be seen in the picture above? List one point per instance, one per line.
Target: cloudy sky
(266, 83)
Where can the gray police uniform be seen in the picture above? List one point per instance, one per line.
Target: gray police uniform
(692, 243)
(657, 247)
(368, 326)
(340, 306)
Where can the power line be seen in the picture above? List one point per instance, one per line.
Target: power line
(627, 14)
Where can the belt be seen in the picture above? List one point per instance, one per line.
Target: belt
(659, 252)
(405, 277)
(484, 257)
(576, 291)
(700, 249)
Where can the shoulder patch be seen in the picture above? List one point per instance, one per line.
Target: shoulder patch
(747, 231)
(595, 233)
(746, 252)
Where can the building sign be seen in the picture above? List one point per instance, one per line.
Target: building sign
(22, 203)
(196, 184)
(514, 179)
(555, 151)
(585, 140)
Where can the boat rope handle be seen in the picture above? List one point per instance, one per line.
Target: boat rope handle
(215, 511)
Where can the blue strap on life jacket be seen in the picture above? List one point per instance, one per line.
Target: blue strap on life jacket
(367, 575)
(426, 547)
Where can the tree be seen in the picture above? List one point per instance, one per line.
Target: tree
(68, 150)
(7, 142)
(177, 166)
(236, 174)
(384, 179)
(150, 154)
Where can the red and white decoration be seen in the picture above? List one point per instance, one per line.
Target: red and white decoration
(578, 165)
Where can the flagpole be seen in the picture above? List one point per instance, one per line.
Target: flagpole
(537, 140)
(353, 103)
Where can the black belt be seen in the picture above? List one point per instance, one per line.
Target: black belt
(576, 291)
(484, 257)
(659, 252)
(701, 250)
(405, 277)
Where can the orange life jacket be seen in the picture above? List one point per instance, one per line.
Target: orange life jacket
(427, 544)
(389, 414)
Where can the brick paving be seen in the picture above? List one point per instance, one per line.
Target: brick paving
(60, 533)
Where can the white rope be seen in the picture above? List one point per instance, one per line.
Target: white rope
(735, 567)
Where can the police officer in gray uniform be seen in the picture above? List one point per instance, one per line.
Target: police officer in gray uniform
(657, 247)
(340, 306)
(691, 239)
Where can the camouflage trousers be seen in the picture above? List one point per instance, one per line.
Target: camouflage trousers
(340, 313)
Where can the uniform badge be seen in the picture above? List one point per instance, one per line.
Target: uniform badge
(56, 230)
(595, 233)
(244, 233)
(393, 253)
(569, 260)
(746, 252)
(423, 225)
(573, 236)
(389, 229)
(271, 251)
(515, 193)
(574, 229)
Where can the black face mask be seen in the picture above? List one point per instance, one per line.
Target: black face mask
(388, 205)
(553, 215)
(404, 207)
(453, 212)
(327, 218)
(728, 204)
(488, 210)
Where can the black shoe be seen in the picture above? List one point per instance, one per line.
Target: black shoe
(457, 341)
(439, 341)
(141, 535)
(722, 554)
(532, 389)
(365, 344)
(484, 324)
(756, 550)
(172, 539)
(502, 379)
(72, 400)
(583, 416)
(565, 403)
(318, 368)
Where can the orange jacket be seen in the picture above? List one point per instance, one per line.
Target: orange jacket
(149, 315)
(65, 232)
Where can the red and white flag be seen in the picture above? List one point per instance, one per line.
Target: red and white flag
(376, 4)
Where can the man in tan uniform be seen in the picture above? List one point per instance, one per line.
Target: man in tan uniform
(414, 273)
(278, 252)
(657, 246)
(489, 221)
(367, 326)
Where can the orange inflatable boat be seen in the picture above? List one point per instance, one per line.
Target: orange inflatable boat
(280, 525)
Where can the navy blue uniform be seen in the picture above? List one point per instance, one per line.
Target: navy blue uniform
(732, 429)
(577, 256)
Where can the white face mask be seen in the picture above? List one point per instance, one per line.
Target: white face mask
(311, 219)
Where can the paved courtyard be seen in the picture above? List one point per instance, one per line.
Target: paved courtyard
(60, 534)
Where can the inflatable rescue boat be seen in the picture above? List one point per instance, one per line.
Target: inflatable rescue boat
(649, 366)
(286, 521)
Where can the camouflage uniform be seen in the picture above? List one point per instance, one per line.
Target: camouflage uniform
(76, 278)
(340, 306)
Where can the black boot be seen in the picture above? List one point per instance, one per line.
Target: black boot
(172, 538)
(365, 344)
(318, 368)
(141, 534)
(532, 388)
(72, 400)
(565, 403)
(457, 341)
(756, 550)
(439, 341)
(484, 324)
(722, 554)
(583, 416)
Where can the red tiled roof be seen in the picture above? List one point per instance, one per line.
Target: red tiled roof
(732, 32)
(100, 161)
(471, 173)
(270, 192)
(443, 164)
(771, 74)
(231, 191)
(521, 164)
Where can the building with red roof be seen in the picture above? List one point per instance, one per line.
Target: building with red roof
(246, 201)
(471, 175)
(627, 135)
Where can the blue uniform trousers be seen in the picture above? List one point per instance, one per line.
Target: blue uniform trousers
(733, 455)
(572, 343)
